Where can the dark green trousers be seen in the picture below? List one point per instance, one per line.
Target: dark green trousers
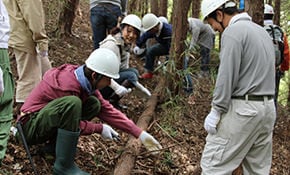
(64, 113)
(6, 102)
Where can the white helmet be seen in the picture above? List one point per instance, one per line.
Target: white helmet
(209, 6)
(105, 62)
(132, 20)
(149, 21)
(268, 9)
(163, 19)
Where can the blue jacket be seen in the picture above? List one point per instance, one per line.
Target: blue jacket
(164, 38)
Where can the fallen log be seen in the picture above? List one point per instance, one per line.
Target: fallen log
(126, 162)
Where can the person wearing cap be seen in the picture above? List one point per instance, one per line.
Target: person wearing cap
(284, 66)
(241, 121)
(104, 15)
(162, 33)
(63, 104)
(120, 41)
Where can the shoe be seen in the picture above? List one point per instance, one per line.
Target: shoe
(147, 75)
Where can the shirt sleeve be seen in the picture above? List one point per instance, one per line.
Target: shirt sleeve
(33, 14)
(228, 73)
(116, 118)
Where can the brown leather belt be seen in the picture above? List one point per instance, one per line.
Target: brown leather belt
(253, 97)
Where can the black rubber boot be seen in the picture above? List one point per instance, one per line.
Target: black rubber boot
(66, 144)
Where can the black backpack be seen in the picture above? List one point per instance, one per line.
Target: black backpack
(277, 36)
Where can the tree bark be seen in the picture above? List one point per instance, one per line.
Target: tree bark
(195, 8)
(277, 9)
(126, 162)
(256, 11)
(154, 7)
(66, 18)
(179, 32)
(163, 7)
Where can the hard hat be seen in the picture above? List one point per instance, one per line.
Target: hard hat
(105, 62)
(163, 19)
(132, 20)
(149, 21)
(209, 6)
(268, 9)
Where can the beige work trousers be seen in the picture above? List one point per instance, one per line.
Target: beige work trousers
(244, 135)
(30, 69)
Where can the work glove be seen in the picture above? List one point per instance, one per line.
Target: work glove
(138, 51)
(211, 121)
(119, 89)
(109, 133)
(150, 143)
(143, 89)
(1, 82)
(43, 53)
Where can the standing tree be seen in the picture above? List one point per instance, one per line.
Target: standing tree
(163, 7)
(195, 8)
(256, 10)
(154, 5)
(138, 7)
(66, 18)
(277, 9)
(179, 31)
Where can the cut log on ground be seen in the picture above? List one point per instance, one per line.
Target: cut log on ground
(126, 162)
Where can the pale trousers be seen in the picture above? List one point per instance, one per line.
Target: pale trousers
(244, 136)
(30, 69)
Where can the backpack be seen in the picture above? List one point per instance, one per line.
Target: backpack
(277, 36)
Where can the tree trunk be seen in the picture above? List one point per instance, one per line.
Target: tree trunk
(277, 8)
(256, 11)
(138, 7)
(66, 18)
(195, 8)
(163, 7)
(126, 162)
(179, 32)
(154, 7)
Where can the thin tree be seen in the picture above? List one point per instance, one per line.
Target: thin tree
(195, 8)
(179, 31)
(163, 8)
(277, 9)
(66, 18)
(256, 10)
(154, 5)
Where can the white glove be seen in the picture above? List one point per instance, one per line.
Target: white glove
(211, 120)
(143, 89)
(43, 54)
(138, 51)
(150, 143)
(1, 82)
(119, 90)
(109, 133)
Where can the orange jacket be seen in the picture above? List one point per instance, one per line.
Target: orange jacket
(285, 64)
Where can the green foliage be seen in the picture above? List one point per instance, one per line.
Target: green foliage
(285, 16)
(168, 159)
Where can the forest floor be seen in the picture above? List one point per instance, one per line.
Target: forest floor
(177, 123)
